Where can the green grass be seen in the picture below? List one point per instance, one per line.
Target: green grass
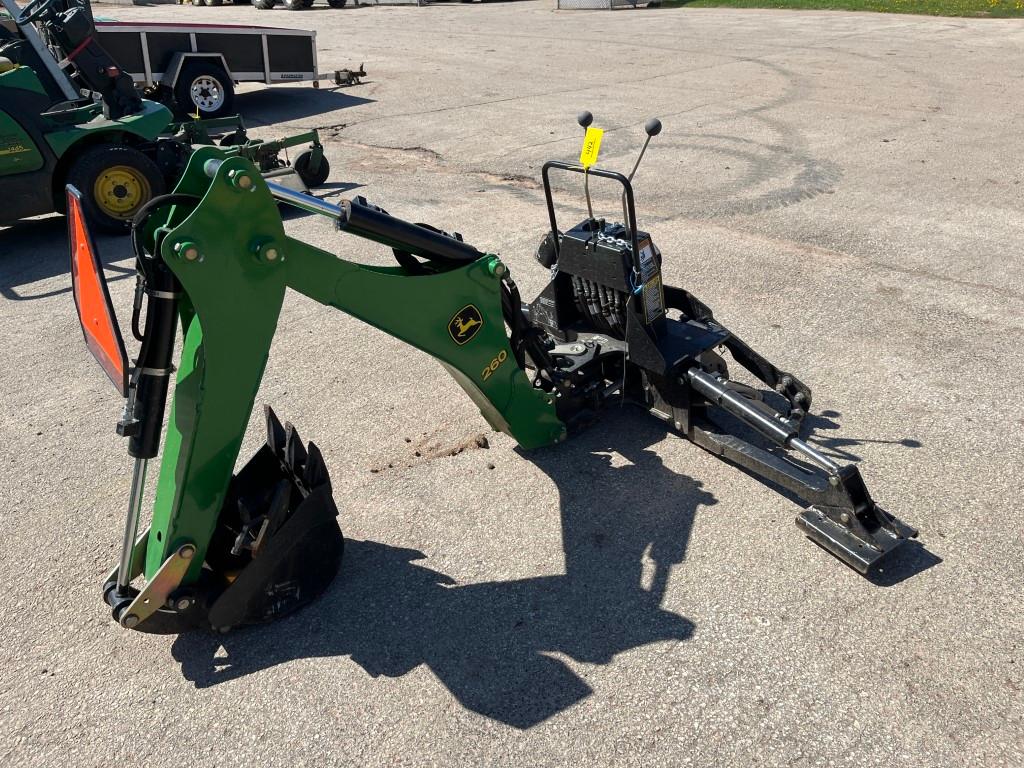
(993, 8)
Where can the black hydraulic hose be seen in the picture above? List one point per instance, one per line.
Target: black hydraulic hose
(525, 340)
(153, 369)
(139, 220)
(152, 373)
(143, 260)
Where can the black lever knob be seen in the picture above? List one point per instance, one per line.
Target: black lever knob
(652, 126)
(584, 118)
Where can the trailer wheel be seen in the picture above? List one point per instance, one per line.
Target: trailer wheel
(294, 5)
(115, 181)
(309, 178)
(264, 5)
(205, 87)
(337, 3)
(307, 3)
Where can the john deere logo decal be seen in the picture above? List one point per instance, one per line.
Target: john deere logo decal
(465, 324)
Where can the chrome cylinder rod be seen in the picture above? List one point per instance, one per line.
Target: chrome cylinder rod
(299, 200)
(131, 525)
(775, 428)
(814, 455)
(305, 202)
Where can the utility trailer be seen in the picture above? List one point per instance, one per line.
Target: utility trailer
(193, 68)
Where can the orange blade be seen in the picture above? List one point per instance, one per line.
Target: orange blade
(95, 312)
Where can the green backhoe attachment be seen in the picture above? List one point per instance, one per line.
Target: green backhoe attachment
(226, 549)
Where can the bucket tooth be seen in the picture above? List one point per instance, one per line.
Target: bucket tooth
(275, 432)
(294, 452)
(315, 473)
(279, 510)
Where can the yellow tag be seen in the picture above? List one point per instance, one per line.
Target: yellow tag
(591, 146)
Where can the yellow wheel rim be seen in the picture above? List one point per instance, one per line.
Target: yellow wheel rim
(121, 190)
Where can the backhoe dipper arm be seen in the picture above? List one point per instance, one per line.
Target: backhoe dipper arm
(234, 261)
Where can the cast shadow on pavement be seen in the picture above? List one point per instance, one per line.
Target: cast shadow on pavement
(270, 105)
(626, 521)
(37, 249)
(839, 447)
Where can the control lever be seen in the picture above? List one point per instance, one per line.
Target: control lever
(585, 118)
(652, 128)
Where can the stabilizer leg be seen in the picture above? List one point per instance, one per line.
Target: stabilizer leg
(842, 516)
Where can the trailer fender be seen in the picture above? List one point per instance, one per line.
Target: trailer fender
(216, 92)
(170, 76)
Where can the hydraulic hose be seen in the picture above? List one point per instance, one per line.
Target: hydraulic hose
(152, 371)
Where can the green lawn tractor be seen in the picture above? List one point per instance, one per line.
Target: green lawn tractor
(120, 150)
(227, 548)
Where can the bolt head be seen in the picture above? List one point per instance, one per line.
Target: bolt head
(270, 254)
(845, 518)
(130, 621)
(183, 603)
(187, 551)
(191, 253)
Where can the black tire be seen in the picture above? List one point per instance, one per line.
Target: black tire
(214, 2)
(294, 5)
(115, 182)
(231, 140)
(337, 3)
(205, 86)
(263, 5)
(310, 179)
(307, 3)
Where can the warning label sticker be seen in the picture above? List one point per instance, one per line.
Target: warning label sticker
(650, 276)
